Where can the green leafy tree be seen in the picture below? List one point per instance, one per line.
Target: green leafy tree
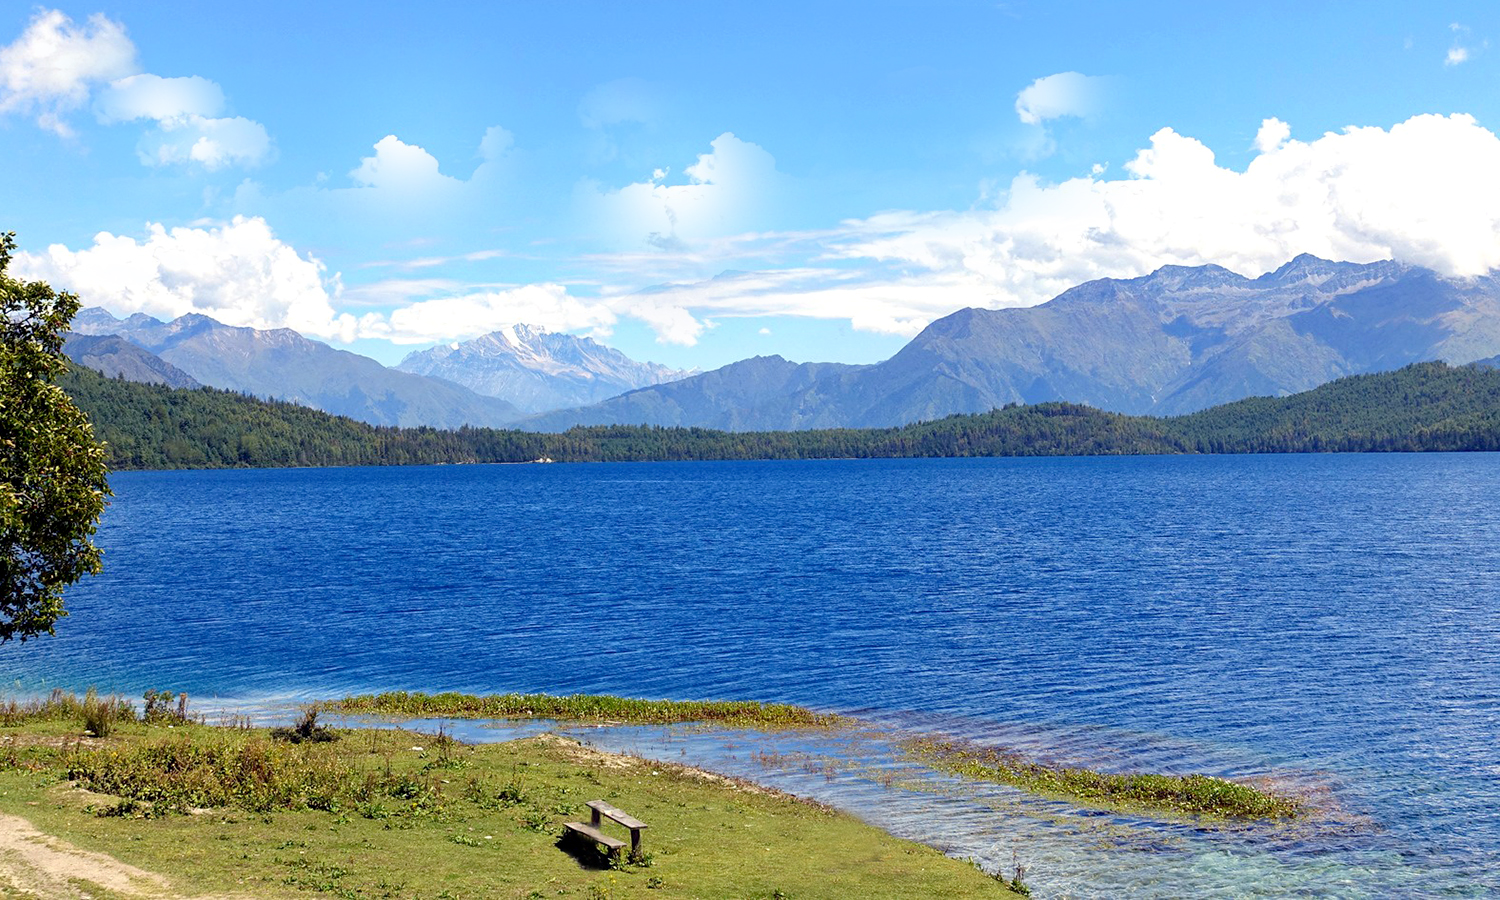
(52, 470)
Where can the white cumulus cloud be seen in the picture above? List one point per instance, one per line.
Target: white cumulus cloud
(495, 143)
(50, 69)
(55, 65)
(403, 168)
(729, 189)
(1463, 49)
(1272, 134)
(1064, 94)
(238, 273)
(1425, 191)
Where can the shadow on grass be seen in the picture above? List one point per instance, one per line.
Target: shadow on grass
(584, 852)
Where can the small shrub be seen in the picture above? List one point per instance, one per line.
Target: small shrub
(1017, 884)
(100, 715)
(125, 809)
(259, 776)
(514, 792)
(306, 729)
(165, 708)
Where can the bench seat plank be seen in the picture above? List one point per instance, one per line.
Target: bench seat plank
(595, 834)
(617, 814)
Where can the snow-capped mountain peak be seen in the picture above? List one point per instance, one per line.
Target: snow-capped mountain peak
(538, 369)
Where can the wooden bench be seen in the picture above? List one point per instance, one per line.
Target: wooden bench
(593, 832)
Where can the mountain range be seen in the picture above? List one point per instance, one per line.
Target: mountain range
(284, 365)
(1177, 340)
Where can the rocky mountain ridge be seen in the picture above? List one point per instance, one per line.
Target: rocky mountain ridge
(1177, 340)
(282, 364)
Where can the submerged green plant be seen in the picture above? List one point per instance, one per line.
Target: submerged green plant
(1190, 794)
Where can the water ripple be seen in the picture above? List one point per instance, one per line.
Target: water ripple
(1330, 621)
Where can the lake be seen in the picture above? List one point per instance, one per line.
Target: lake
(1332, 622)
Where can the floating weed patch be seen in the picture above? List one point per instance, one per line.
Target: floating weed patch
(1183, 794)
(586, 708)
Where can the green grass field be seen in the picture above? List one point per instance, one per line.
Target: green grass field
(233, 812)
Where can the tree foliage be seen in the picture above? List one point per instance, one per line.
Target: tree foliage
(52, 470)
(1426, 406)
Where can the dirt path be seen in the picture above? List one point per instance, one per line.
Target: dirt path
(33, 864)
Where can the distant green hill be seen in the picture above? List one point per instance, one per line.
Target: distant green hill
(1426, 406)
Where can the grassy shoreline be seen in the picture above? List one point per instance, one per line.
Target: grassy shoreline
(1175, 795)
(389, 812)
(233, 811)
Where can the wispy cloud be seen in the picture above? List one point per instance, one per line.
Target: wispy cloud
(51, 68)
(1464, 48)
(1424, 191)
(56, 64)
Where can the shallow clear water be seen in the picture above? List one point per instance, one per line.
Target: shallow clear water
(1331, 621)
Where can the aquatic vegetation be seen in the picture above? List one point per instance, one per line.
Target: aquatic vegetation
(585, 708)
(1183, 794)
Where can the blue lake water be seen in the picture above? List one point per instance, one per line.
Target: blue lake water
(1332, 622)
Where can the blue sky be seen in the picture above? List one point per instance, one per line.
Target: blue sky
(696, 183)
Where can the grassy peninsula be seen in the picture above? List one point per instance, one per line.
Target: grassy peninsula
(158, 804)
(1423, 407)
(584, 708)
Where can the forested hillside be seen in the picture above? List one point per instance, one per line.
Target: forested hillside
(1427, 406)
